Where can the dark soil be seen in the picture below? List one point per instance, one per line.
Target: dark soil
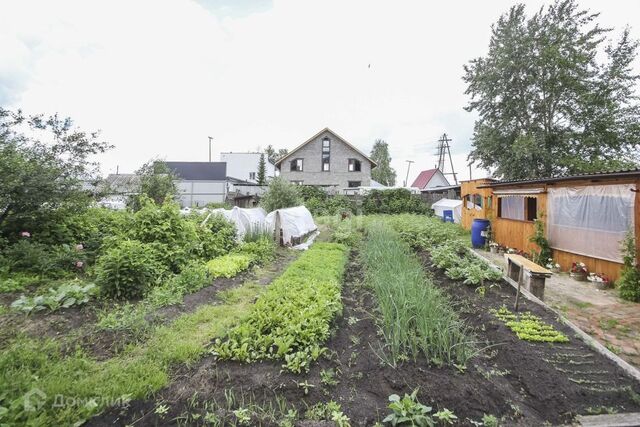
(523, 383)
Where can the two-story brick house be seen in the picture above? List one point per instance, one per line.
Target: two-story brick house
(327, 160)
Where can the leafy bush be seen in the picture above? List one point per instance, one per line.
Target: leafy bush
(37, 258)
(320, 203)
(229, 265)
(128, 270)
(217, 236)
(261, 250)
(193, 277)
(393, 202)
(17, 281)
(66, 295)
(291, 319)
(281, 194)
(629, 282)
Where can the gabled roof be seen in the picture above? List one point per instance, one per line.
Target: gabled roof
(199, 171)
(424, 177)
(280, 160)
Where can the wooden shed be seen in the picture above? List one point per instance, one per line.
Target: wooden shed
(585, 216)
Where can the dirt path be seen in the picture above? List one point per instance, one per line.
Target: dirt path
(615, 323)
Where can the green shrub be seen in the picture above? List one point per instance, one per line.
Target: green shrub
(17, 281)
(37, 258)
(629, 282)
(261, 250)
(281, 194)
(193, 277)
(128, 270)
(393, 202)
(216, 237)
(292, 318)
(229, 265)
(173, 236)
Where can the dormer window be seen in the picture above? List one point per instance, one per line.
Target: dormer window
(296, 165)
(326, 154)
(354, 165)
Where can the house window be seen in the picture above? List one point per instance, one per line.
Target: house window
(532, 208)
(354, 184)
(511, 207)
(295, 182)
(473, 201)
(354, 165)
(252, 175)
(296, 165)
(326, 155)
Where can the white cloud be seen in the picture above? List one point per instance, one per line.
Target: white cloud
(158, 77)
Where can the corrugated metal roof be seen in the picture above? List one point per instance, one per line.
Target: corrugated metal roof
(623, 173)
(199, 171)
(423, 178)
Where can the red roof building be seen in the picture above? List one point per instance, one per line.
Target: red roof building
(430, 178)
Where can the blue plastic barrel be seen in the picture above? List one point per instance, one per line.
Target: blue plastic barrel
(477, 227)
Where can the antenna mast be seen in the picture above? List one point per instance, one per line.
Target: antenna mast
(444, 151)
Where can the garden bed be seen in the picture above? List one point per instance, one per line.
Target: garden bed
(520, 382)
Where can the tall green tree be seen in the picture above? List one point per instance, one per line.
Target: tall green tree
(273, 155)
(156, 181)
(44, 162)
(383, 173)
(262, 170)
(554, 95)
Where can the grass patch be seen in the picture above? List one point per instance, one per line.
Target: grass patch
(88, 386)
(291, 320)
(416, 316)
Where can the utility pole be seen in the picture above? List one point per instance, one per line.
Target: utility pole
(406, 181)
(444, 150)
(210, 139)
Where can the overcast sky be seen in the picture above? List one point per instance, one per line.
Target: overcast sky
(159, 77)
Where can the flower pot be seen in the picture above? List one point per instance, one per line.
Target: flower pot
(579, 277)
(601, 285)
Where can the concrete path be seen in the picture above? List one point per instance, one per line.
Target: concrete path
(600, 313)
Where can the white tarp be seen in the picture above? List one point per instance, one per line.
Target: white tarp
(448, 205)
(294, 223)
(117, 203)
(591, 220)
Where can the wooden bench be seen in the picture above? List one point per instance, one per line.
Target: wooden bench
(527, 273)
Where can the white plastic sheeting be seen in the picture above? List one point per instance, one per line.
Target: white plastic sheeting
(294, 223)
(592, 220)
(448, 205)
(512, 207)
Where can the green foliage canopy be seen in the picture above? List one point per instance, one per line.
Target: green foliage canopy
(546, 105)
(281, 194)
(383, 173)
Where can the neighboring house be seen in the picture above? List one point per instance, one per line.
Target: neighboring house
(430, 178)
(327, 160)
(200, 183)
(123, 184)
(244, 166)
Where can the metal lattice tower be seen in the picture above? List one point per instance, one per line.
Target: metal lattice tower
(444, 151)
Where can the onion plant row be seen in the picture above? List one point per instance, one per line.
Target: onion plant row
(416, 317)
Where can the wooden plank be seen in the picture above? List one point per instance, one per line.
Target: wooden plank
(527, 264)
(631, 419)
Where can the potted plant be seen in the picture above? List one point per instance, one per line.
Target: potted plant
(554, 267)
(600, 280)
(493, 247)
(578, 271)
